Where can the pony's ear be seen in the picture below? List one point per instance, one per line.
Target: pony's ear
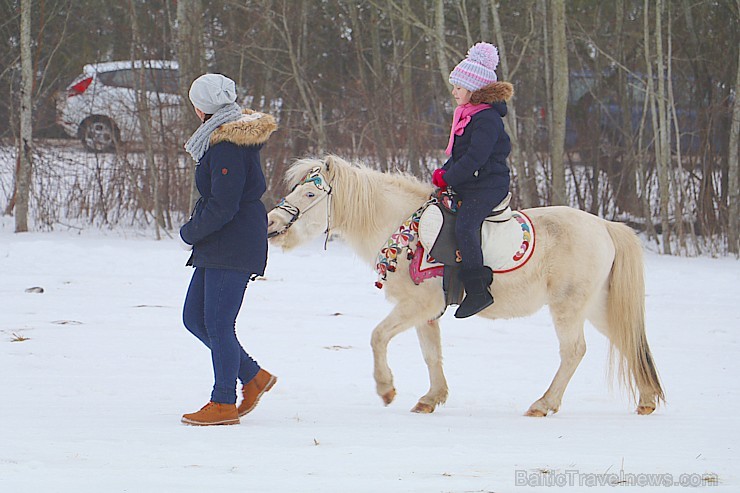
(333, 164)
(329, 162)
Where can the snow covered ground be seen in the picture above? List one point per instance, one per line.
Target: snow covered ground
(92, 398)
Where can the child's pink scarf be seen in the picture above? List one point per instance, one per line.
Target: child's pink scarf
(460, 120)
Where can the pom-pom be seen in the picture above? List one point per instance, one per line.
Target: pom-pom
(484, 53)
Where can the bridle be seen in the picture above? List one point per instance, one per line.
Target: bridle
(322, 185)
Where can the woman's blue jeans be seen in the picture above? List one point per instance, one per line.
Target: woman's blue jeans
(211, 306)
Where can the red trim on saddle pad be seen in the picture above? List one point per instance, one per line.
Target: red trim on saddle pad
(527, 248)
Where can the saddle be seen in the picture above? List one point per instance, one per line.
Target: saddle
(507, 239)
(437, 226)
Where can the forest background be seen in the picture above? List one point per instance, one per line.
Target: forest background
(626, 108)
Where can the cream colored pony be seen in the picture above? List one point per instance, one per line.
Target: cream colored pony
(583, 267)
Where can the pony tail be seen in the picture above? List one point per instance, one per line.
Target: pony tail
(626, 317)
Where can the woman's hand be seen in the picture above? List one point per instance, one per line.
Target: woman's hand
(183, 244)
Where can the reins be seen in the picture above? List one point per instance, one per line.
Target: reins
(328, 218)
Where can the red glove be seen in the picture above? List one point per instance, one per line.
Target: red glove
(438, 179)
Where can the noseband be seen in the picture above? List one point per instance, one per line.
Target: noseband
(314, 176)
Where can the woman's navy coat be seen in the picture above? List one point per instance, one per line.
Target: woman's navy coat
(228, 226)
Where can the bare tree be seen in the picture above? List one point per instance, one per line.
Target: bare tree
(296, 45)
(734, 183)
(407, 85)
(559, 101)
(659, 118)
(369, 74)
(190, 50)
(439, 40)
(25, 148)
(525, 178)
(144, 117)
(626, 195)
(677, 176)
(485, 32)
(191, 64)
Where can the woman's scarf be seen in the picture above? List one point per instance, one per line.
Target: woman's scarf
(460, 120)
(198, 143)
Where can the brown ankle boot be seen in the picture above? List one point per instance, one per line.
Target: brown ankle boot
(253, 390)
(213, 413)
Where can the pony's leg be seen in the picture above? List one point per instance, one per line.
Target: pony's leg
(569, 330)
(402, 317)
(431, 347)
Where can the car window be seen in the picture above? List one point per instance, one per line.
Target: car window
(118, 78)
(166, 81)
(156, 80)
(159, 80)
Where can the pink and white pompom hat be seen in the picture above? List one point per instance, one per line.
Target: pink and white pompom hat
(478, 69)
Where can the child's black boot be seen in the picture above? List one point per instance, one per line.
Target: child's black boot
(477, 284)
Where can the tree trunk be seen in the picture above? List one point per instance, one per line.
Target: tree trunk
(485, 32)
(191, 65)
(704, 100)
(627, 198)
(546, 62)
(312, 106)
(380, 113)
(559, 102)
(25, 148)
(439, 41)
(189, 55)
(525, 180)
(368, 82)
(663, 133)
(649, 104)
(462, 11)
(677, 175)
(733, 188)
(144, 118)
(412, 151)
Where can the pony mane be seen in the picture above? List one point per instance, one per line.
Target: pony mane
(359, 190)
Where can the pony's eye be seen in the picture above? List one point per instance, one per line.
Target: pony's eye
(310, 195)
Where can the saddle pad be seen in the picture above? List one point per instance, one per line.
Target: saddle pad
(506, 245)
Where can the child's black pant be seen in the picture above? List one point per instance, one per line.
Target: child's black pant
(476, 206)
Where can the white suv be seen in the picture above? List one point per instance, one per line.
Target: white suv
(100, 107)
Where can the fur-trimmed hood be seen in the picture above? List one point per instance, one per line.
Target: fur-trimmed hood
(253, 128)
(496, 92)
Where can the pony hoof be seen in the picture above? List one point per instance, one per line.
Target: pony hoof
(645, 410)
(422, 408)
(535, 413)
(388, 396)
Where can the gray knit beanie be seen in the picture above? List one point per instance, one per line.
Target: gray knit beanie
(211, 92)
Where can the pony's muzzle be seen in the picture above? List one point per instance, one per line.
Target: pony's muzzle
(273, 228)
(273, 234)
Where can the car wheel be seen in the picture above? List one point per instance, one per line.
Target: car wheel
(98, 134)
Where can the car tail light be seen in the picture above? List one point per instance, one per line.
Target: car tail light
(80, 87)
